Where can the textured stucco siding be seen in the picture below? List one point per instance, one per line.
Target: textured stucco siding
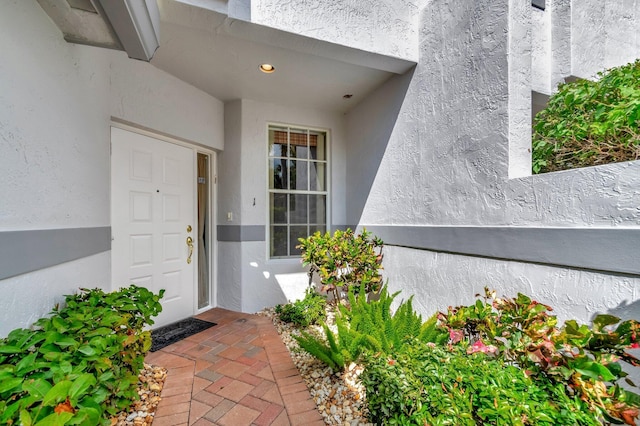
(387, 27)
(229, 275)
(446, 159)
(149, 97)
(581, 38)
(604, 34)
(439, 280)
(56, 104)
(54, 159)
(249, 280)
(541, 49)
(27, 297)
(449, 157)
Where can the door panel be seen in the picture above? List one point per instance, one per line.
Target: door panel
(152, 204)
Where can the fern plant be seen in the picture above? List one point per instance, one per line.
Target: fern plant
(370, 326)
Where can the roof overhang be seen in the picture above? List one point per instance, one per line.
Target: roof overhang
(129, 25)
(221, 55)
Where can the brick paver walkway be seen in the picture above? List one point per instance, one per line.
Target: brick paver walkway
(236, 373)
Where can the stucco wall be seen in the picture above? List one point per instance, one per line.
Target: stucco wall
(30, 296)
(144, 95)
(446, 163)
(251, 278)
(388, 27)
(604, 34)
(55, 159)
(230, 165)
(56, 103)
(255, 117)
(440, 280)
(581, 38)
(540, 49)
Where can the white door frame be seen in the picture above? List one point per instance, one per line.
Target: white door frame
(213, 204)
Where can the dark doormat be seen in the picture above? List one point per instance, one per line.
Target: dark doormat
(164, 336)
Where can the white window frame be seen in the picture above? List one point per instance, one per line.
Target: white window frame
(269, 190)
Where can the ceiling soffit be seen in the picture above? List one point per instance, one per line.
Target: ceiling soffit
(221, 56)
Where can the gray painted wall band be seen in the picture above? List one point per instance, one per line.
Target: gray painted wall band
(239, 233)
(27, 251)
(601, 249)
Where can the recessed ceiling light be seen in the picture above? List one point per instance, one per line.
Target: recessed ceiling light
(267, 68)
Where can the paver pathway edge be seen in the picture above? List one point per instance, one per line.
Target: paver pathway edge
(238, 372)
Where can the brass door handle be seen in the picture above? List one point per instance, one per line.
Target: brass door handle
(190, 245)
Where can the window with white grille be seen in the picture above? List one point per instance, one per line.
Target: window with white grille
(297, 187)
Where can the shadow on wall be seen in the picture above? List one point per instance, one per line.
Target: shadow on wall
(369, 128)
(626, 311)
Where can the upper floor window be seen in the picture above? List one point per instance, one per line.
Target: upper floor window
(297, 187)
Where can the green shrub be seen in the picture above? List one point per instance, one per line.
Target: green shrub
(305, 312)
(426, 384)
(343, 260)
(369, 325)
(81, 364)
(588, 123)
(582, 360)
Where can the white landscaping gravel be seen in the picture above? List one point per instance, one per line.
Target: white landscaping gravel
(340, 396)
(150, 382)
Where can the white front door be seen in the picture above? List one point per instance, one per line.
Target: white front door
(152, 219)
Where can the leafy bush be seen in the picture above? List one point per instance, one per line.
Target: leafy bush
(583, 360)
(423, 383)
(369, 325)
(343, 260)
(305, 312)
(588, 123)
(80, 365)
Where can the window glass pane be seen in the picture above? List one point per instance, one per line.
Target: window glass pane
(298, 143)
(317, 209)
(299, 175)
(301, 152)
(293, 151)
(277, 141)
(278, 208)
(317, 142)
(279, 241)
(297, 232)
(297, 163)
(298, 208)
(317, 228)
(318, 177)
(278, 173)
